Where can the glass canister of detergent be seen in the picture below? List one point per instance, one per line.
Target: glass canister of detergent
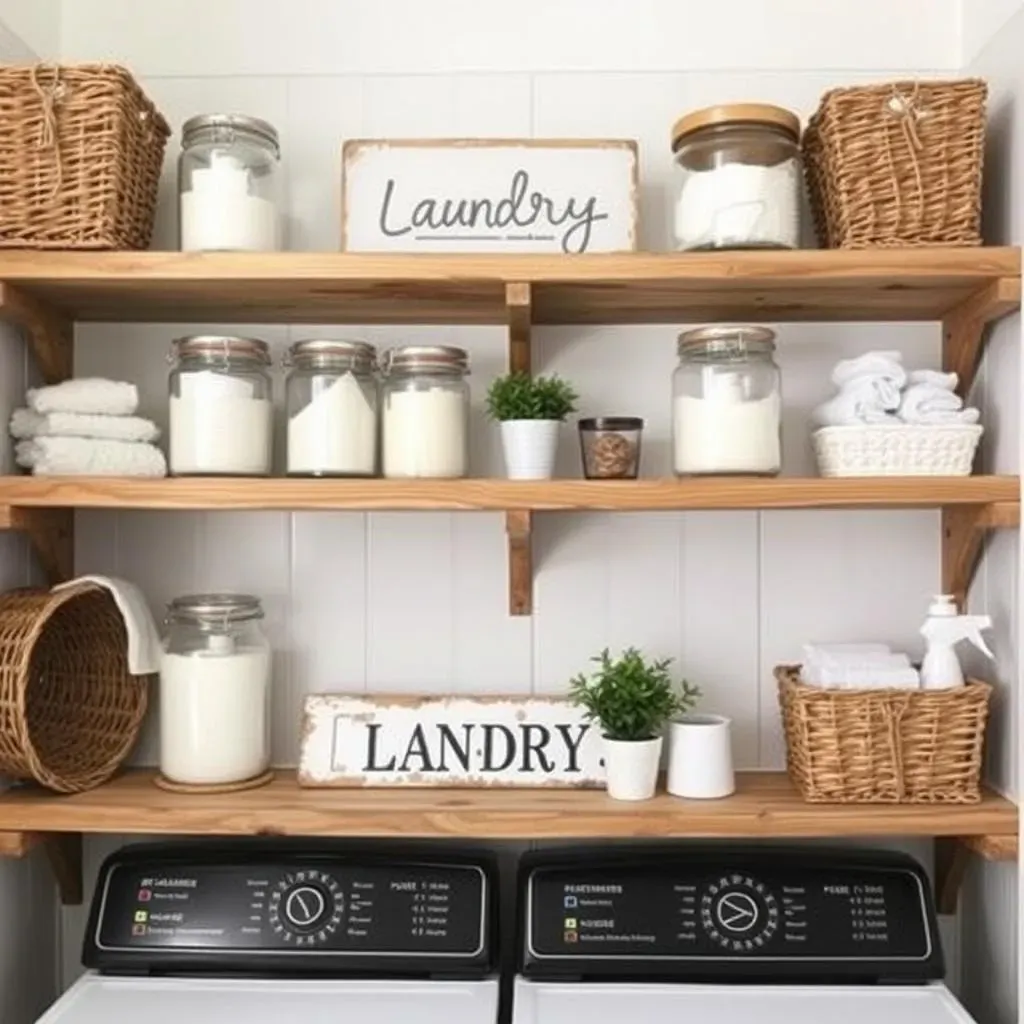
(727, 402)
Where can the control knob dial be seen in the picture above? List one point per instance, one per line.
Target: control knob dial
(739, 913)
(306, 907)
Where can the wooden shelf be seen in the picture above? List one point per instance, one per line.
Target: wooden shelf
(207, 493)
(765, 806)
(915, 284)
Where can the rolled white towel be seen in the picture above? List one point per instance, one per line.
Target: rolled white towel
(867, 400)
(86, 395)
(884, 365)
(935, 378)
(928, 404)
(27, 424)
(80, 456)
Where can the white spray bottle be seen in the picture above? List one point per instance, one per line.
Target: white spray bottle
(943, 630)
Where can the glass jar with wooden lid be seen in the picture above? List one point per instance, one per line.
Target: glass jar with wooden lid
(739, 178)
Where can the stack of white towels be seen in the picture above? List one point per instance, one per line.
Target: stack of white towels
(857, 667)
(86, 427)
(875, 388)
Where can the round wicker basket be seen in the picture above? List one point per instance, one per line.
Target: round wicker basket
(70, 711)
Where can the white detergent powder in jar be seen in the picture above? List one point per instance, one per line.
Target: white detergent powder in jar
(221, 412)
(727, 402)
(425, 412)
(215, 684)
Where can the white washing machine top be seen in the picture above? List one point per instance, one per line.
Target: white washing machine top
(275, 933)
(97, 999)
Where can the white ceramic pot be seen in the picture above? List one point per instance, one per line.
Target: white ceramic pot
(631, 768)
(700, 757)
(529, 447)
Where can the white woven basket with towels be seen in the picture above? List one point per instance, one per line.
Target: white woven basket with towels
(901, 449)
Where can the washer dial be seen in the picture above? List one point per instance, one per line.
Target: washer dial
(739, 913)
(306, 907)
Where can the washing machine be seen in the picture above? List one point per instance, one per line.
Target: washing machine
(263, 934)
(728, 936)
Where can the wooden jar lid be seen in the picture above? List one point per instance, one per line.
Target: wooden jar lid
(736, 113)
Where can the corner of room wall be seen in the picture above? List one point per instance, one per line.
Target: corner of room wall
(30, 30)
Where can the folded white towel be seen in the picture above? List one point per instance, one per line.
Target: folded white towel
(80, 456)
(26, 424)
(865, 400)
(139, 624)
(936, 378)
(87, 395)
(886, 365)
(927, 404)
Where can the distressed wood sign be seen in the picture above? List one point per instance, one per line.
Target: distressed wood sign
(388, 740)
(483, 195)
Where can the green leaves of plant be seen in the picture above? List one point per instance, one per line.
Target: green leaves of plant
(629, 698)
(518, 396)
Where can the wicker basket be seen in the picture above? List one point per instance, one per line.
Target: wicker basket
(897, 164)
(883, 746)
(69, 709)
(898, 450)
(81, 150)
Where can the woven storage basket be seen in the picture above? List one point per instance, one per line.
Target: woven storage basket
(69, 709)
(883, 746)
(898, 450)
(81, 149)
(897, 164)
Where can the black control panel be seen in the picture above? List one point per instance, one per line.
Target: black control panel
(324, 909)
(704, 912)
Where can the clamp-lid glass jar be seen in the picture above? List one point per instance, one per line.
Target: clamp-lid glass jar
(215, 679)
(332, 408)
(727, 402)
(739, 178)
(221, 413)
(425, 411)
(229, 184)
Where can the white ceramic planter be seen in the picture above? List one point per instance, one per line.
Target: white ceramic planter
(700, 757)
(631, 768)
(529, 447)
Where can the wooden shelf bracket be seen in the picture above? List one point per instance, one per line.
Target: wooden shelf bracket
(63, 851)
(518, 303)
(952, 856)
(51, 532)
(50, 335)
(964, 529)
(963, 327)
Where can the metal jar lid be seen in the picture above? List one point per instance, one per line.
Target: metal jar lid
(600, 423)
(727, 339)
(215, 609)
(357, 356)
(220, 347)
(425, 359)
(241, 123)
(758, 114)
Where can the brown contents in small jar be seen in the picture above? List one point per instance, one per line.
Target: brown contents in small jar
(612, 455)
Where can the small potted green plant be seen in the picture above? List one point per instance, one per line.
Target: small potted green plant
(631, 700)
(530, 410)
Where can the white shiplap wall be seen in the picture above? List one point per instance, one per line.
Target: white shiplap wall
(418, 601)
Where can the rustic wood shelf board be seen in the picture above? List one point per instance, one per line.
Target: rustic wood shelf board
(806, 285)
(765, 805)
(24, 492)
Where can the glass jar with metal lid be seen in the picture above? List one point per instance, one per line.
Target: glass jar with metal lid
(727, 402)
(739, 178)
(221, 410)
(332, 408)
(215, 681)
(228, 184)
(425, 411)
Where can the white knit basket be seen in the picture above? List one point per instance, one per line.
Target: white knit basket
(899, 450)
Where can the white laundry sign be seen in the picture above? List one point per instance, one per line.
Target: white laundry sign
(389, 740)
(475, 195)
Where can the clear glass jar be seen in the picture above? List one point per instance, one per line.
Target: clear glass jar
(739, 178)
(215, 680)
(727, 402)
(425, 411)
(331, 396)
(229, 185)
(610, 447)
(221, 407)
